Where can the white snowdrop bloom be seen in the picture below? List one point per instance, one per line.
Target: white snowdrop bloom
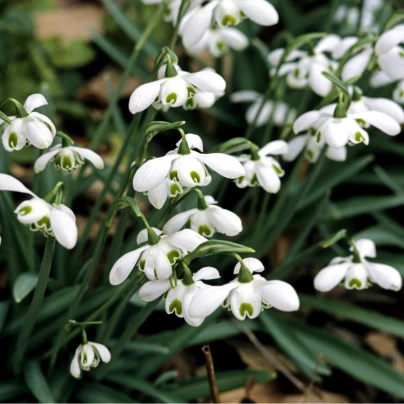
(217, 41)
(179, 297)
(346, 129)
(157, 257)
(226, 13)
(52, 220)
(88, 356)
(390, 55)
(282, 113)
(245, 296)
(312, 148)
(174, 87)
(306, 68)
(34, 129)
(398, 94)
(68, 158)
(206, 220)
(263, 170)
(356, 272)
(184, 167)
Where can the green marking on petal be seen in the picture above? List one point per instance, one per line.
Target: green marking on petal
(175, 189)
(296, 73)
(228, 21)
(195, 177)
(355, 283)
(13, 140)
(309, 155)
(359, 137)
(67, 163)
(171, 98)
(191, 92)
(221, 46)
(361, 122)
(174, 176)
(173, 256)
(278, 170)
(204, 230)
(44, 222)
(254, 181)
(240, 180)
(401, 54)
(190, 103)
(246, 309)
(319, 136)
(142, 264)
(175, 306)
(25, 210)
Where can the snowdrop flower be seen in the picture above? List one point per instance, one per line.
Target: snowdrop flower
(68, 158)
(174, 87)
(340, 128)
(180, 295)
(218, 41)
(312, 148)
(282, 113)
(245, 296)
(263, 170)
(183, 167)
(88, 356)
(307, 68)
(390, 55)
(52, 220)
(398, 94)
(206, 220)
(357, 272)
(30, 128)
(226, 13)
(157, 257)
(172, 8)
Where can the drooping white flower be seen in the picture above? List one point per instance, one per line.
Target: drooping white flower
(52, 220)
(306, 68)
(68, 158)
(390, 55)
(245, 296)
(180, 296)
(225, 13)
(156, 260)
(282, 113)
(183, 167)
(174, 91)
(263, 170)
(338, 132)
(398, 94)
(35, 129)
(357, 272)
(88, 356)
(206, 220)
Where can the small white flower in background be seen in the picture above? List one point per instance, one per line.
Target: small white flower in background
(263, 170)
(282, 113)
(180, 296)
(245, 296)
(68, 158)
(52, 220)
(357, 272)
(156, 260)
(206, 220)
(398, 94)
(306, 68)
(35, 129)
(338, 132)
(225, 13)
(88, 356)
(172, 8)
(312, 148)
(217, 41)
(390, 55)
(174, 91)
(183, 167)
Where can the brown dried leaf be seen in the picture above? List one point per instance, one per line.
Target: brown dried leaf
(382, 344)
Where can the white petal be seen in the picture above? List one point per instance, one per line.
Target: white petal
(142, 237)
(207, 81)
(260, 11)
(39, 209)
(392, 63)
(225, 221)
(44, 119)
(245, 95)
(385, 276)
(386, 106)
(34, 101)
(268, 178)
(189, 295)
(152, 290)
(356, 277)
(38, 133)
(162, 266)
(357, 65)
(336, 154)
(75, 366)
(329, 277)
(191, 172)
(343, 46)
(87, 356)
(124, 266)
(152, 173)
(234, 38)
(206, 273)
(337, 132)
(174, 92)
(245, 301)
(177, 222)
(103, 351)
(9, 183)
(318, 82)
(380, 121)
(295, 147)
(390, 39)
(194, 142)
(64, 228)
(144, 96)
(366, 247)
(42, 161)
(89, 155)
(17, 129)
(253, 264)
(280, 295)
(380, 79)
(306, 121)
(274, 148)
(158, 195)
(226, 166)
(328, 44)
(187, 240)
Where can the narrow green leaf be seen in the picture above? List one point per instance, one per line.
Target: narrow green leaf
(4, 306)
(37, 383)
(24, 285)
(92, 392)
(10, 389)
(395, 19)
